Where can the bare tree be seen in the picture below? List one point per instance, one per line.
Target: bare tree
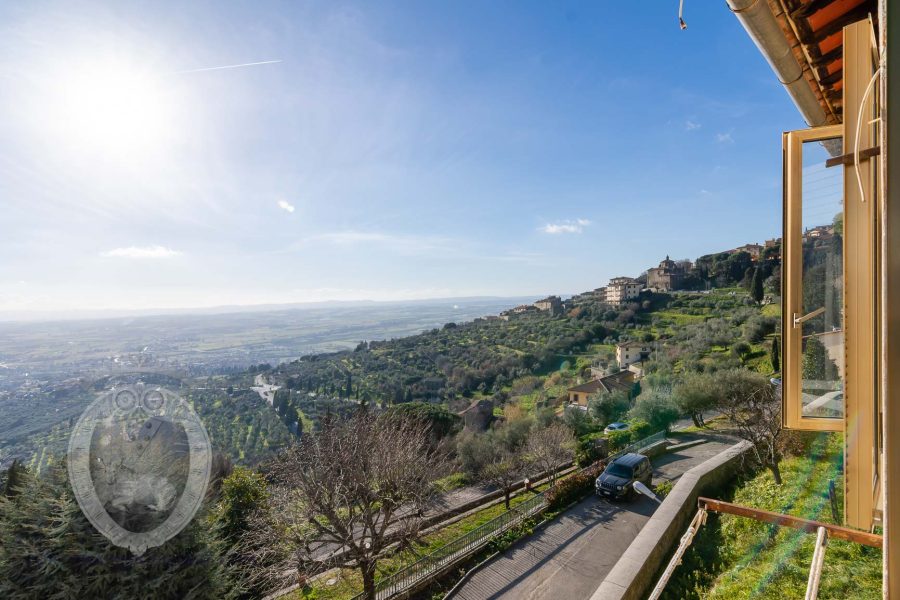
(354, 492)
(506, 469)
(548, 447)
(753, 406)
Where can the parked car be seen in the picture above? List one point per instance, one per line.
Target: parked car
(616, 427)
(617, 481)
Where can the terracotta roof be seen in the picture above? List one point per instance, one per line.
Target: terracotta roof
(631, 344)
(617, 381)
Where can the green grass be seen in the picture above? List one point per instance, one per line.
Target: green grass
(679, 318)
(452, 482)
(736, 557)
(771, 310)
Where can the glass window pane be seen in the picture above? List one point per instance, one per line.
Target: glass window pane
(822, 365)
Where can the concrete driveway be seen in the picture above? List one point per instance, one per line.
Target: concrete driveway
(570, 556)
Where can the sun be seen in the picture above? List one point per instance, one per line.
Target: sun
(112, 108)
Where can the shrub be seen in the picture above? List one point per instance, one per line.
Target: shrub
(619, 439)
(441, 421)
(663, 488)
(587, 451)
(741, 350)
(575, 486)
(641, 429)
(609, 407)
(656, 408)
(243, 492)
(474, 452)
(758, 327)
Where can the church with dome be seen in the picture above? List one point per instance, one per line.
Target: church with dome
(668, 276)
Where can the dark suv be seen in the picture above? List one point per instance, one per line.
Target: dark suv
(618, 479)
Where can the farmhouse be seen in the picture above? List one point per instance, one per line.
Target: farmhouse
(622, 381)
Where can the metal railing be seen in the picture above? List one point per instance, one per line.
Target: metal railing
(430, 564)
(423, 569)
(640, 445)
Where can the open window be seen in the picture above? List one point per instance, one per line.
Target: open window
(813, 271)
(831, 279)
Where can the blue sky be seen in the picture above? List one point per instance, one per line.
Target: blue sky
(397, 150)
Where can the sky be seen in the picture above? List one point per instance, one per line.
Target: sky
(383, 151)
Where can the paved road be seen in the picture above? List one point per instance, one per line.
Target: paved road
(571, 556)
(265, 390)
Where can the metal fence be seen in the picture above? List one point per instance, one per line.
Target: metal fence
(426, 567)
(640, 445)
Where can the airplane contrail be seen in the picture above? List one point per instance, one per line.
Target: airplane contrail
(252, 64)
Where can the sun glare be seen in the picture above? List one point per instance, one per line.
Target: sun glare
(112, 108)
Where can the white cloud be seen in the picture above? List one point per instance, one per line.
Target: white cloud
(141, 252)
(724, 138)
(567, 226)
(285, 205)
(691, 125)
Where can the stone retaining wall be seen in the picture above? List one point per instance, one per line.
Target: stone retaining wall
(634, 575)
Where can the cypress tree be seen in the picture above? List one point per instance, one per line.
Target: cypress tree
(13, 478)
(776, 356)
(756, 286)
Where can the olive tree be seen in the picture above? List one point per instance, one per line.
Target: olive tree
(753, 406)
(695, 394)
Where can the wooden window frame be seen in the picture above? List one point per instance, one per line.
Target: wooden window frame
(792, 274)
(862, 284)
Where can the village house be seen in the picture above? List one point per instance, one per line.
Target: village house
(621, 381)
(631, 352)
(478, 416)
(621, 290)
(822, 232)
(754, 250)
(551, 304)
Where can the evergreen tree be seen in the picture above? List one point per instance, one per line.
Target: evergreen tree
(816, 363)
(776, 356)
(756, 286)
(51, 550)
(242, 492)
(14, 476)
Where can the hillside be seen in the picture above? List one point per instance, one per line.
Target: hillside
(530, 360)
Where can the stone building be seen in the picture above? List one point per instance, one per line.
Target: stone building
(551, 304)
(668, 276)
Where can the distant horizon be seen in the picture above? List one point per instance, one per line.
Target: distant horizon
(41, 316)
(90, 313)
(397, 152)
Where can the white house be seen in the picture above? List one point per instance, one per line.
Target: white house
(621, 290)
(631, 352)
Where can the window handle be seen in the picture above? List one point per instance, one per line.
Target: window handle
(800, 320)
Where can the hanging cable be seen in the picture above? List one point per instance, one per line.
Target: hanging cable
(859, 118)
